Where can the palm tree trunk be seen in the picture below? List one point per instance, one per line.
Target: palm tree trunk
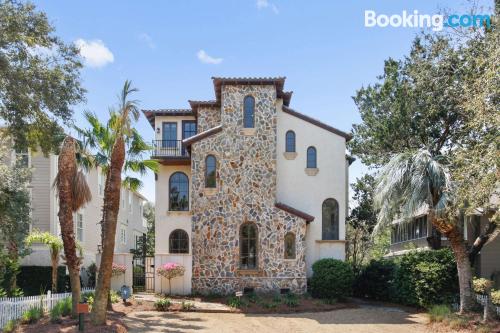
(67, 173)
(111, 206)
(464, 269)
(55, 263)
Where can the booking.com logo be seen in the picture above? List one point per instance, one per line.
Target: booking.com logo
(416, 20)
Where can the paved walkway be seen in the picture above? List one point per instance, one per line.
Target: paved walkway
(367, 319)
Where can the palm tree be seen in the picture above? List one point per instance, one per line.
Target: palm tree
(55, 245)
(73, 193)
(118, 148)
(411, 181)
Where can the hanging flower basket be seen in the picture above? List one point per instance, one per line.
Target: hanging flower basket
(117, 269)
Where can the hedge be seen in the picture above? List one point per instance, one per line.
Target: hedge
(420, 278)
(33, 279)
(331, 279)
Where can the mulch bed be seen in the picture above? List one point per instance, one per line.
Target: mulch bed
(114, 323)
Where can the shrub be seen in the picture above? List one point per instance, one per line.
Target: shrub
(331, 278)
(162, 304)
(66, 305)
(117, 269)
(438, 313)
(376, 280)
(187, 306)
(495, 297)
(115, 296)
(32, 315)
(3, 293)
(10, 326)
(291, 300)
(56, 313)
(481, 285)
(426, 277)
(236, 302)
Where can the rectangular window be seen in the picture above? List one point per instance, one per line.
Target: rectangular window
(169, 136)
(23, 158)
(122, 196)
(100, 182)
(408, 231)
(79, 227)
(123, 235)
(130, 200)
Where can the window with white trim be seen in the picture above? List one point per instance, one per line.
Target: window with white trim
(100, 182)
(79, 226)
(130, 202)
(123, 235)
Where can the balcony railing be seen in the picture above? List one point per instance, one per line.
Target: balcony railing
(168, 148)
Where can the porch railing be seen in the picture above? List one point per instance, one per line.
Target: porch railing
(168, 148)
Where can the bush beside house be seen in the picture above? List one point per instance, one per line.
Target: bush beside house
(331, 279)
(418, 278)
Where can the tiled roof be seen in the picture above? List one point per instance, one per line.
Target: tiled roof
(293, 211)
(151, 114)
(316, 122)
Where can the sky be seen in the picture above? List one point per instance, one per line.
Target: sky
(171, 49)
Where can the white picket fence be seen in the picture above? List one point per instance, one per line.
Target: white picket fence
(12, 308)
(482, 299)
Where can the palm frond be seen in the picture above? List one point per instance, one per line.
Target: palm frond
(132, 184)
(409, 182)
(81, 191)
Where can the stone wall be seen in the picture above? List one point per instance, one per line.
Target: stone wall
(246, 192)
(208, 117)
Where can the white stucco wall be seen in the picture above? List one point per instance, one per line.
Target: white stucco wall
(307, 193)
(180, 285)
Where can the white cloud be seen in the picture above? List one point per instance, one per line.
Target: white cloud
(144, 37)
(263, 4)
(95, 53)
(206, 59)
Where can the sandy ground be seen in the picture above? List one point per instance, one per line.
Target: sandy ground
(361, 320)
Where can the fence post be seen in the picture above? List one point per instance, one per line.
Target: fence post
(49, 300)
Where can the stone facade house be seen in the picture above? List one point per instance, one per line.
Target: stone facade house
(250, 193)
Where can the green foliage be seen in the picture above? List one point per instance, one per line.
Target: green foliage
(56, 313)
(33, 279)
(3, 293)
(237, 302)
(16, 292)
(291, 300)
(418, 278)
(361, 222)
(40, 77)
(376, 280)
(66, 306)
(438, 313)
(162, 304)
(481, 285)
(91, 277)
(32, 315)
(187, 306)
(115, 296)
(426, 277)
(331, 279)
(10, 326)
(495, 297)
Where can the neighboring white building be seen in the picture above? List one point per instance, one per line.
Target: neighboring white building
(249, 193)
(131, 223)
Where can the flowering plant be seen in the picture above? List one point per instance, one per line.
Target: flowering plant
(170, 270)
(117, 269)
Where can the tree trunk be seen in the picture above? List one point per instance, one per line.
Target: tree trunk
(463, 267)
(111, 206)
(67, 174)
(55, 263)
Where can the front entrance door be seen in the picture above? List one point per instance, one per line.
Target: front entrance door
(169, 135)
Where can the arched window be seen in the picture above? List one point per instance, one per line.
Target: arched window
(290, 142)
(248, 246)
(210, 171)
(179, 192)
(249, 112)
(178, 241)
(330, 223)
(311, 157)
(290, 245)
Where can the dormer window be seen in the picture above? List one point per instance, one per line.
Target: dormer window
(249, 112)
